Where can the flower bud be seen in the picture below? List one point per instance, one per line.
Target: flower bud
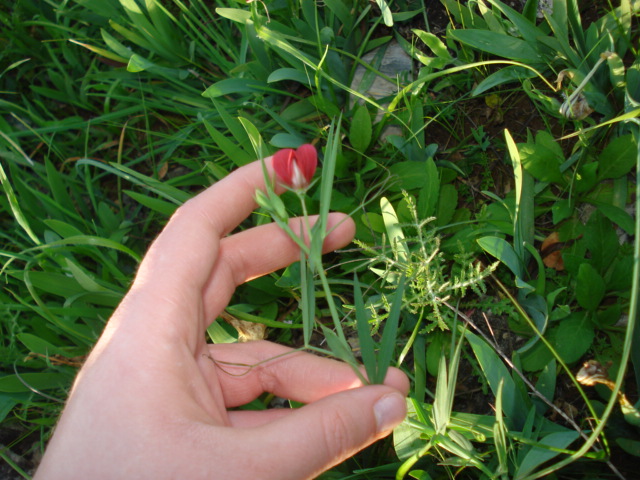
(295, 168)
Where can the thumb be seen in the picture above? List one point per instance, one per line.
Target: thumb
(320, 435)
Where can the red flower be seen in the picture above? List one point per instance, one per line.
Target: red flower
(296, 167)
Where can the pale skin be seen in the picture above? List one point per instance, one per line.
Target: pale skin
(151, 402)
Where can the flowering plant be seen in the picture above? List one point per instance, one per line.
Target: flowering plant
(295, 170)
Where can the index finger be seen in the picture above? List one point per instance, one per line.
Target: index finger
(186, 250)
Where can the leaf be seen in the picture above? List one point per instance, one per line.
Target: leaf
(539, 454)
(339, 348)
(165, 208)
(447, 203)
(430, 192)
(523, 222)
(515, 405)
(543, 158)
(26, 382)
(497, 44)
(360, 131)
(234, 14)
(618, 216)
(386, 13)
(389, 336)
(21, 219)
(410, 175)
(503, 251)
(573, 337)
(36, 344)
(230, 86)
(508, 74)
(364, 332)
(590, 287)
(601, 240)
(394, 230)
(289, 74)
(436, 45)
(618, 158)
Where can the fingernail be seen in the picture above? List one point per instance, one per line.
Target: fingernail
(389, 410)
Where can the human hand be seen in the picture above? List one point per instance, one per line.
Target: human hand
(150, 402)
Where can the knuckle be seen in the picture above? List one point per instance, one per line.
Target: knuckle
(338, 433)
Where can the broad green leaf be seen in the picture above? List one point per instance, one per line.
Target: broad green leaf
(543, 158)
(601, 240)
(447, 203)
(360, 131)
(618, 158)
(373, 221)
(430, 192)
(436, 45)
(407, 439)
(546, 384)
(590, 287)
(289, 74)
(618, 216)
(503, 251)
(394, 230)
(573, 337)
(561, 210)
(386, 12)
(408, 175)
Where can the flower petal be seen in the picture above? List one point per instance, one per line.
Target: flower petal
(307, 160)
(283, 164)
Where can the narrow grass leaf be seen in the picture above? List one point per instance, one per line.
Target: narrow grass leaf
(27, 382)
(338, 347)
(328, 174)
(524, 214)
(15, 207)
(545, 451)
(389, 336)
(307, 300)
(165, 208)
(367, 347)
(500, 435)
(515, 405)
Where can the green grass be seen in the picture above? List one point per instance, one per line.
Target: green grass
(114, 113)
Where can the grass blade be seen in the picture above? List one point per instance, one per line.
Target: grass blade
(367, 348)
(388, 342)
